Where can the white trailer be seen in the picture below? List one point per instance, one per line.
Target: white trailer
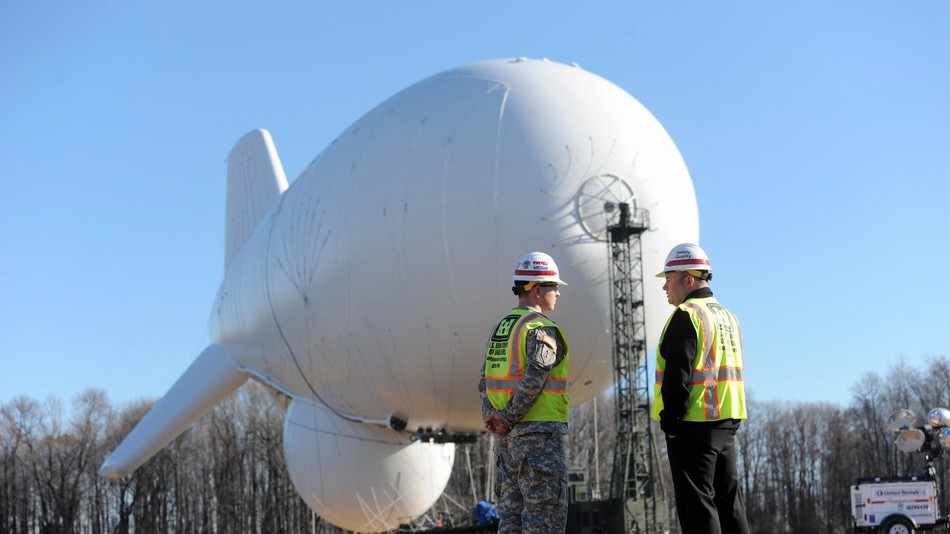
(895, 505)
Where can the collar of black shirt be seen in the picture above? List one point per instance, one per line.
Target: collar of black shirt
(700, 293)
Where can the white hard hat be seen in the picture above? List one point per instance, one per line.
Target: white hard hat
(537, 267)
(687, 257)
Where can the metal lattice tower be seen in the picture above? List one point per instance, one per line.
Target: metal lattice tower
(633, 480)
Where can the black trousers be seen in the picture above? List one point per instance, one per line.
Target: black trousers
(703, 463)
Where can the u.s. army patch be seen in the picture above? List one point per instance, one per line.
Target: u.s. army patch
(549, 341)
(548, 349)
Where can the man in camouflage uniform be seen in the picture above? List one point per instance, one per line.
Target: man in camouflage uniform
(525, 402)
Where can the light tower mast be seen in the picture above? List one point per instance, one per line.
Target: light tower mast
(634, 480)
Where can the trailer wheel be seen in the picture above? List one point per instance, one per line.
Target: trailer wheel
(897, 525)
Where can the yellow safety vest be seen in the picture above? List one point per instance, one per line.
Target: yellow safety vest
(506, 360)
(716, 387)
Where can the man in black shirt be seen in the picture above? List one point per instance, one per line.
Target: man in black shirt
(699, 397)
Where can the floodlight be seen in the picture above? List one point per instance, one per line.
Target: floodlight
(910, 440)
(944, 437)
(939, 417)
(901, 419)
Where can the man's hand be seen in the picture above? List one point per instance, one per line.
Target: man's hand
(496, 424)
(669, 426)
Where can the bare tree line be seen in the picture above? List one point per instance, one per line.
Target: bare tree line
(227, 473)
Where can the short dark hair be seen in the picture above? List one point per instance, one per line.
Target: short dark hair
(518, 288)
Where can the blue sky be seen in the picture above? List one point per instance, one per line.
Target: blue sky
(817, 135)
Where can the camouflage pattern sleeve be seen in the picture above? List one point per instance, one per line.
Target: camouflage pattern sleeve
(487, 407)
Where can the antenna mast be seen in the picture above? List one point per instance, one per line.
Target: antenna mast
(634, 479)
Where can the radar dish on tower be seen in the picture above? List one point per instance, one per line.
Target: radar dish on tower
(597, 202)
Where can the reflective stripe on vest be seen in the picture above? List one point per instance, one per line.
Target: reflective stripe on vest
(716, 390)
(554, 384)
(705, 375)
